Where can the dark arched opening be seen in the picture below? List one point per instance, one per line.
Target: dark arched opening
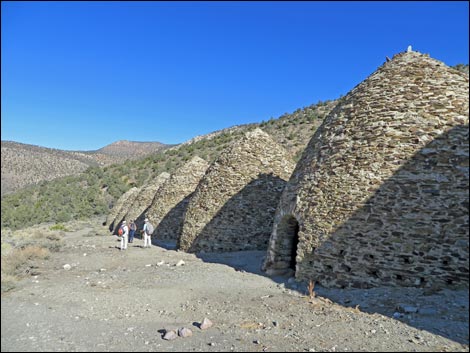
(287, 242)
(284, 245)
(294, 234)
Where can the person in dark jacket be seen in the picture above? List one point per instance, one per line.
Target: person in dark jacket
(132, 229)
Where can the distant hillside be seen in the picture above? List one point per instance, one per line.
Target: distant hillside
(291, 130)
(24, 164)
(96, 190)
(121, 150)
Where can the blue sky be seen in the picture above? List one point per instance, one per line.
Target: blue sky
(81, 75)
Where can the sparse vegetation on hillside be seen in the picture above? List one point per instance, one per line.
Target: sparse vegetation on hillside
(293, 131)
(95, 191)
(24, 164)
(130, 149)
(462, 68)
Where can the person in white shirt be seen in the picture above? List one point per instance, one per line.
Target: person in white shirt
(125, 235)
(146, 234)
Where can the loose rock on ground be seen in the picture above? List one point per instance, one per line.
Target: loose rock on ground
(111, 301)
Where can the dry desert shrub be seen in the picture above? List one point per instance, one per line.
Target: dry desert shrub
(37, 234)
(8, 282)
(19, 261)
(55, 236)
(38, 238)
(6, 248)
(311, 293)
(23, 249)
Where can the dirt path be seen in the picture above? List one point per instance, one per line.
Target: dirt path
(123, 301)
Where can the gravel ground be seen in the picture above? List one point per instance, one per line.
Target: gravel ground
(112, 300)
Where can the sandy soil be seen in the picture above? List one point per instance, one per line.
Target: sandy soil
(112, 300)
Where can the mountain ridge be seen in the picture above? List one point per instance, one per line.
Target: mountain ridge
(27, 164)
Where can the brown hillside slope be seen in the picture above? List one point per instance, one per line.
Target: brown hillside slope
(24, 164)
(130, 149)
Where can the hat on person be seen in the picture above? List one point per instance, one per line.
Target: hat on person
(123, 222)
(146, 220)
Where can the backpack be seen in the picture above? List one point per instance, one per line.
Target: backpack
(120, 231)
(133, 226)
(149, 228)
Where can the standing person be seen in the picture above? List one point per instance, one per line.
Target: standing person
(147, 233)
(125, 235)
(132, 229)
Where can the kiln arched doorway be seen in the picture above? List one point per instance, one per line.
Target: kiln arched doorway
(292, 233)
(281, 258)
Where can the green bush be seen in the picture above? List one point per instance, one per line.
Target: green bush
(58, 226)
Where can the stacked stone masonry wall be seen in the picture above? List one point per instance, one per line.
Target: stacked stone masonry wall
(233, 206)
(168, 205)
(381, 192)
(137, 209)
(119, 210)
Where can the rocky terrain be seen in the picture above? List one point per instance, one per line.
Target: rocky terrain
(90, 296)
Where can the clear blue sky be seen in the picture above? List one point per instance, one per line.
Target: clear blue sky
(81, 75)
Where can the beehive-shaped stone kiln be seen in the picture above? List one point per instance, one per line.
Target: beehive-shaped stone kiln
(120, 208)
(136, 209)
(171, 199)
(234, 204)
(380, 195)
